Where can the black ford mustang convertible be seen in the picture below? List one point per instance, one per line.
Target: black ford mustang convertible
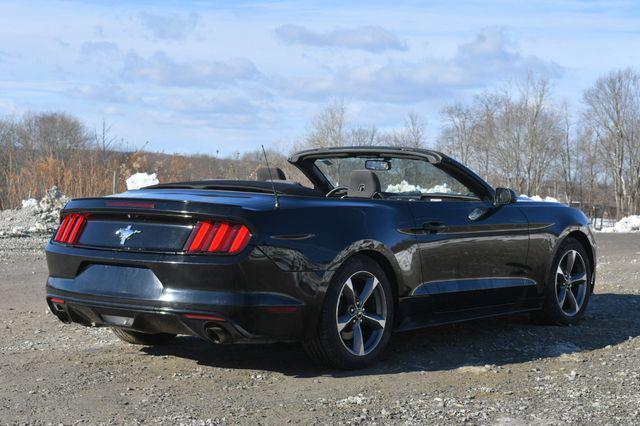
(388, 239)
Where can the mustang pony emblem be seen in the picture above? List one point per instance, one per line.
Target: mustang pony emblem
(125, 233)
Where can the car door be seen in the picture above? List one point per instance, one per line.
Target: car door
(472, 253)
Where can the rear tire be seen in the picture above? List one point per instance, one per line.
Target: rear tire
(147, 339)
(356, 318)
(568, 287)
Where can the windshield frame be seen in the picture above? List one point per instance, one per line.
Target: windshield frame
(305, 162)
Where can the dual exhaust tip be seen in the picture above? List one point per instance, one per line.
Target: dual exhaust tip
(213, 332)
(58, 308)
(218, 334)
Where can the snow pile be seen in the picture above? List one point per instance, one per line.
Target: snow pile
(405, 186)
(35, 217)
(626, 224)
(48, 208)
(439, 189)
(141, 180)
(29, 203)
(539, 198)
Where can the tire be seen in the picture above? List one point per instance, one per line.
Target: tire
(554, 311)
(373, 318)
(147, 339)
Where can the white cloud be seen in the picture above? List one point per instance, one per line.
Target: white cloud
(160, 69)
(371, 38)
(494, 53)
(194, 104)
(169, 26)
(490, 57)
(103, 93)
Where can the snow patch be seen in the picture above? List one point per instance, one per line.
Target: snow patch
(29, 203)
(141, 180)
(405, 186)
(439, 189)
(626, 224)
(538, 198)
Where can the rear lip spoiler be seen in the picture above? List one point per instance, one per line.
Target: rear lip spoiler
(184, 208)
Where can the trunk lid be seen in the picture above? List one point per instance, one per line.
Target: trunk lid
(160, 220)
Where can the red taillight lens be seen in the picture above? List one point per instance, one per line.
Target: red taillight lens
(71, 228)
(204, 317)
(218, 237)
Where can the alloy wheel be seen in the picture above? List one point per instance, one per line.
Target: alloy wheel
(361, 313)
(571, 283)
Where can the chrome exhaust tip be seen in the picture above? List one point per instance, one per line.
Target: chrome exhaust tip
(218, 334)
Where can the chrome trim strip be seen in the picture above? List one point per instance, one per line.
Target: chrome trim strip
(469, 284)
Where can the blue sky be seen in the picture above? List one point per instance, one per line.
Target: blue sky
(195, 76)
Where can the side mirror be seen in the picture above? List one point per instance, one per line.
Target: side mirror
(504, 196)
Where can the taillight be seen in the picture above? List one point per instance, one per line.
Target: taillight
(217, 237)
(71, 228)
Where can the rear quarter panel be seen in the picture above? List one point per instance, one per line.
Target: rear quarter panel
(320, 234)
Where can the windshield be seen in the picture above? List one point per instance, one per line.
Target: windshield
(404, 176)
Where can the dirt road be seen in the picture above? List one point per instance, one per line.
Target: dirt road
(484, 372)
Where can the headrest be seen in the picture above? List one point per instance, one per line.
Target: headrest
(264, 175)
(363, 184)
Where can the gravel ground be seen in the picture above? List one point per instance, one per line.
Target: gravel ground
(498, 371)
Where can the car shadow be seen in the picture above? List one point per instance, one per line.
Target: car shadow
(611, 319)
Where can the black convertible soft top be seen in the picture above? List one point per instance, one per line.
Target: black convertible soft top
(288, 188)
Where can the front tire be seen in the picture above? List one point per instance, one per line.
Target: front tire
(137, 338)
(569, 286)
(356, 318)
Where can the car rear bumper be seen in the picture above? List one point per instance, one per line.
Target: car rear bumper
(219, 323)
(211, 325)
(250, 300)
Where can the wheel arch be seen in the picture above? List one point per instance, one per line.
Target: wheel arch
(389, 265)
(584, 240)
(588, 248)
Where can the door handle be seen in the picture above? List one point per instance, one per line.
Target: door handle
(434, 227)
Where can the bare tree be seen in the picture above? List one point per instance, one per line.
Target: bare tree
(414, 131)
(512, 136)
(484, 135)
(328, 128)
(457, 136)
(362, 136)
(612, 110)
(569, 155)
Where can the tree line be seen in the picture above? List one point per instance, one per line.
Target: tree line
(40, 150)
(518, 136)
(522, 138)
